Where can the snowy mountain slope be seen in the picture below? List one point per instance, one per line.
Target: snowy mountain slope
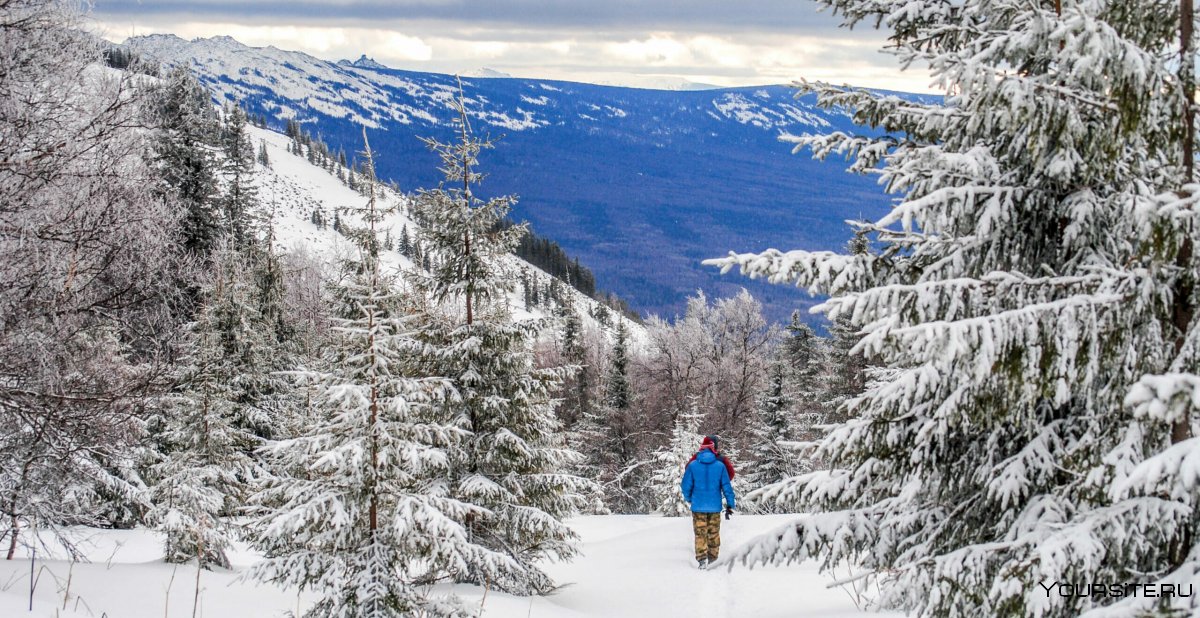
(631, 566)
(291, 189)
(641, 185)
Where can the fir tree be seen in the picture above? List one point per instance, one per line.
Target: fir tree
(1033, 298)
(513, 464)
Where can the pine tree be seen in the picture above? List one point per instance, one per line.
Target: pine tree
(671, 460)
(1033, 296)
(514, 462)
(366, 520)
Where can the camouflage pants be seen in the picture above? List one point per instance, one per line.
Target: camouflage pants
(707, 528)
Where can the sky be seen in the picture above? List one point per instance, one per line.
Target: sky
(647, 43)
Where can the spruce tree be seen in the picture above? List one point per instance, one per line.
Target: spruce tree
(513, 463)
(404, 245)
(617, 392)
(263, 158)
(577, 387)
(184, 158)
(1033, 292)
(241, 195)
(365, 519)
(775, 455)
(606, 436)
(671, 460)
(201, 480)
(806, 363)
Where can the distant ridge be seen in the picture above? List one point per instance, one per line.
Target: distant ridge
(486, 73)
(363, 62)
(641, 185)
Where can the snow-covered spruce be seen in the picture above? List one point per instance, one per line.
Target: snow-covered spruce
(1034, 292)
(776, 454)
(611, 439)
(361, 512)
(670, 461)
(206, 465)
(513, 464)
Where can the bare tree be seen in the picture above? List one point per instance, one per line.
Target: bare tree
(83, 249)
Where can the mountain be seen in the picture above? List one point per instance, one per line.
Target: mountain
(656, 82)
(485, 73)
(363, 62)
(640, 184)
(290, 190)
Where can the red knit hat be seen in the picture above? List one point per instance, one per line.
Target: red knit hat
(707, 441)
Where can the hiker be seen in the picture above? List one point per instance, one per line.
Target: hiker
(713, 440)
(704, 481)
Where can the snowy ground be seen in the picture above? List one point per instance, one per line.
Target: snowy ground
(634, 565)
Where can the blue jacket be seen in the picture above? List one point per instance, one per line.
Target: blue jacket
(704, 480)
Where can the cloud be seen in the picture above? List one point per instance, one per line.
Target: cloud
(672, 15)
(619, 41)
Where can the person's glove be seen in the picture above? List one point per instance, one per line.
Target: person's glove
(728, 512)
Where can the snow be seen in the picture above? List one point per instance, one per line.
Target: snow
(542, 100)
(358, 91)
(294, 188)
(630, 566)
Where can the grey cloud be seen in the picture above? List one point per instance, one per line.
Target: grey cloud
(795, 16)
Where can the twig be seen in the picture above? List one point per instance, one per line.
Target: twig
(108, 563)
(32, 580)
(167, 598)
(67, 592)
(487, 583)
(199, 567)
(79, 600)
(12, 580)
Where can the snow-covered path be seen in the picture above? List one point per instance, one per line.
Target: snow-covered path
(631, 566)
(642, 566)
